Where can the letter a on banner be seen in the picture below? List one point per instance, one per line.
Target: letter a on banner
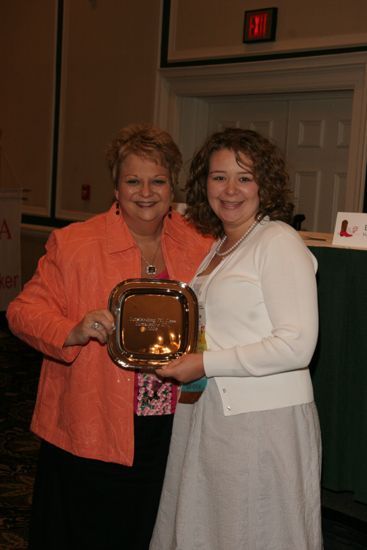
(10, 269)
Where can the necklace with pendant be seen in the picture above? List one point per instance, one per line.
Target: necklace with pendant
(150, 268)
(237, 243)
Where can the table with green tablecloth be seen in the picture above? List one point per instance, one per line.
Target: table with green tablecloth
(339, 368)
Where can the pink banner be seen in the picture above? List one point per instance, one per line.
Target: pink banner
(10, 267)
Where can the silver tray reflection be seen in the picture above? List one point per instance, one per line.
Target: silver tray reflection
(156, 321)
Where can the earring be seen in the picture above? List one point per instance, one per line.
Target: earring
(117, 208)
(170, 212)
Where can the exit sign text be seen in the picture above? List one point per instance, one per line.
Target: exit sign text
(260, 25)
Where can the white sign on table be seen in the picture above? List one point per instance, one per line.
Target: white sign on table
(350, 230)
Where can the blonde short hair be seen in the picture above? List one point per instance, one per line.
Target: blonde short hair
(147, 141)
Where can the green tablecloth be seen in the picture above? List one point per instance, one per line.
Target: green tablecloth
(339, 368)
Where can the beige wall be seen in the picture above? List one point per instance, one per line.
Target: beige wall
(27, 35)
(109, 62)
(213, 28)
(108, 79)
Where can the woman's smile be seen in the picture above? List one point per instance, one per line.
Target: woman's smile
(145, 204)
(231, 205)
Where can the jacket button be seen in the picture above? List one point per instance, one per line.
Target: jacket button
(228, 408)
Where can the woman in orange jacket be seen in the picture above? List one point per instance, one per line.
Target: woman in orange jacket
(104, 430)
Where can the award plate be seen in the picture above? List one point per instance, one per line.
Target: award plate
(156, 321)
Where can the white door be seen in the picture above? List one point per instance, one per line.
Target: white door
(317, 156)
(311, 129)
(267, 116)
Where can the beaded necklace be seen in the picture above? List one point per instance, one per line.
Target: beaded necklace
(237, 243)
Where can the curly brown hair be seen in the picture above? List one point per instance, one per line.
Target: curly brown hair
(269, 173)
(147, 141)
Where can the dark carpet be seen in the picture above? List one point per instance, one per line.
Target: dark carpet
(19, 372)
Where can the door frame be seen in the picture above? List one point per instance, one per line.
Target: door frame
(179, 92)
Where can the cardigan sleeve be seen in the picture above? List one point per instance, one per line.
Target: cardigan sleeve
(38, 315)
(285, 271)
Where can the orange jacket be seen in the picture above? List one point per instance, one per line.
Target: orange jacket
(85, 402)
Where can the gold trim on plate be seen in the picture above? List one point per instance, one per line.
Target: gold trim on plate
(156, 321)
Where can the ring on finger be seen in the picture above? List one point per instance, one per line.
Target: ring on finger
(96, 325)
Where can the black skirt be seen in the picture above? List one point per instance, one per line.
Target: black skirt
(81, 503)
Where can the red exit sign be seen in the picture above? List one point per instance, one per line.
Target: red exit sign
(260, 25)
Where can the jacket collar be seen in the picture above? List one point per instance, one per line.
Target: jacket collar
(119, 237)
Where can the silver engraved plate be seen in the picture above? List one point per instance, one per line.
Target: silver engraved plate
(156, 321)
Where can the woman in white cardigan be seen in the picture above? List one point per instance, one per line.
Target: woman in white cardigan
(244, 464)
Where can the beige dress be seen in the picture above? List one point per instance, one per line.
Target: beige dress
(243, 482)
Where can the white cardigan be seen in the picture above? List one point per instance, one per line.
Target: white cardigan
(262, 321)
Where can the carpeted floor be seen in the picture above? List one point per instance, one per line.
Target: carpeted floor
(19, 371)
